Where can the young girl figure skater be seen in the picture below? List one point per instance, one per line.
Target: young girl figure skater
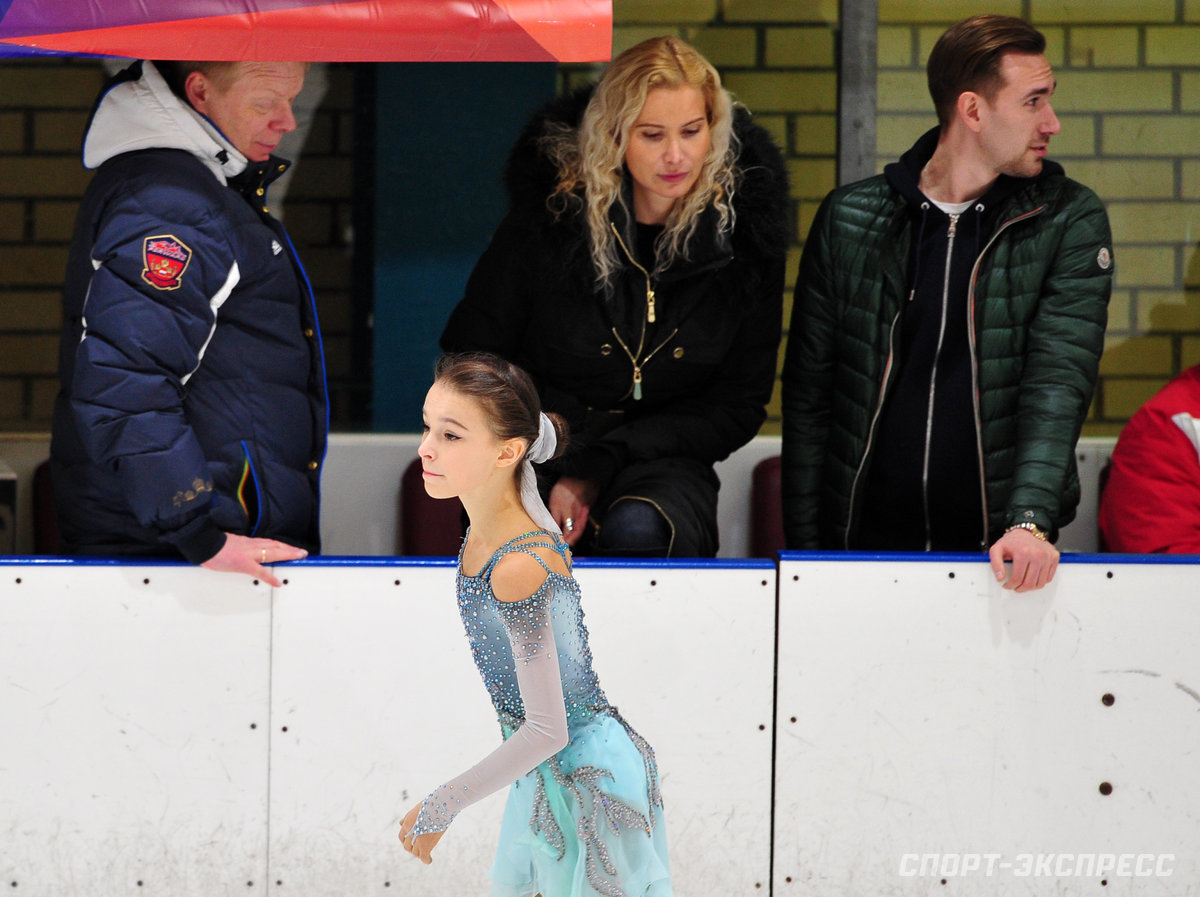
(584, 814)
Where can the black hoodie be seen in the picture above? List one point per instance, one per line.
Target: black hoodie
(926, 465)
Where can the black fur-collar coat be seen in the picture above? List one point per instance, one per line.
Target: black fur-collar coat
(693, 383)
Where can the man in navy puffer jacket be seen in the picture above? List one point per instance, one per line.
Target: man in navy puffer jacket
(192, 418)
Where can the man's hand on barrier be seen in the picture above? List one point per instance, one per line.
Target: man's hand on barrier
(243, 554)
(1034, 561)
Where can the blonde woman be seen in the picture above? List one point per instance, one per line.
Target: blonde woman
(638, 277)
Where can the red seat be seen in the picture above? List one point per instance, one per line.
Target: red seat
(428, 526)
(766, 509)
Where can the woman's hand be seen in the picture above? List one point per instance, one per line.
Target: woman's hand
(422, 845)
(570, 502)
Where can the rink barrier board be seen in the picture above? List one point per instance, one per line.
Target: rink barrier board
(951, 737)
(184, 732)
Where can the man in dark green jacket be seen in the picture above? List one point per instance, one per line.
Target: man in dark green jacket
(947, 328)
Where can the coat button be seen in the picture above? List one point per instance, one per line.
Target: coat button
(308, 331)
(260, 191)
(606, 349)
(313, 465)
(678, 353)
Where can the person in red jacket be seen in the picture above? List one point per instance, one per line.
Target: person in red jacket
(1151, 502)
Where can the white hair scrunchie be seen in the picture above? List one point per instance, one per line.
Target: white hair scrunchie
(542, 450)
(547, 441)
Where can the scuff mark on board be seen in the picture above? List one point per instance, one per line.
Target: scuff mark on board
(1195, 695)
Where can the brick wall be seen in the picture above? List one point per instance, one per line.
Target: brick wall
(1129, 101)
(43, 108)
(44, 105)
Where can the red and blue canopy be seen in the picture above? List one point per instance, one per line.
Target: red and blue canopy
(313, 30)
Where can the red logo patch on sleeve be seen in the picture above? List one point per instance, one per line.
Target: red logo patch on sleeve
(166, 258)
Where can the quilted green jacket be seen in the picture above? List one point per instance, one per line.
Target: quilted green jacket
(1038, 300)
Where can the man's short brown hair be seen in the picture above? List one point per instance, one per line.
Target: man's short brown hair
(968, 56)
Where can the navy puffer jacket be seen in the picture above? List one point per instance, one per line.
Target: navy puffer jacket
(193, 397)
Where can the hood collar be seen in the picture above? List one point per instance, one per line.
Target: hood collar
(139, 111)
(905, 175)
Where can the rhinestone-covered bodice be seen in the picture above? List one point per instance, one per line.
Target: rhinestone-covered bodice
(599, 771)
(491, 623)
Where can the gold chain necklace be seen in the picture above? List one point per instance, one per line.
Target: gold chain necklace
(649, 318)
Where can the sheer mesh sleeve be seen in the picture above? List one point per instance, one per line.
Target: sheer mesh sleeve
(543, 732)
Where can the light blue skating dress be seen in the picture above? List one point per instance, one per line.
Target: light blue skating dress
(585, 820)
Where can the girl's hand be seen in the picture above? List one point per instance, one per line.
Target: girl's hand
(422, 845)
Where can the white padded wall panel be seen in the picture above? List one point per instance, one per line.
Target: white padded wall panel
(934, 714)
(133, 759)
(376, 687)
(937, 714)
(687, 655)
(381, 702)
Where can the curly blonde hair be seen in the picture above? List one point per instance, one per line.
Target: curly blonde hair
(591, 158)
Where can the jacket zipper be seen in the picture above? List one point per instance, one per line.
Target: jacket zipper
(634, 262)
(975, 363)
(638, 365)
(887, 374)
(648, 318)
(951, 234)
